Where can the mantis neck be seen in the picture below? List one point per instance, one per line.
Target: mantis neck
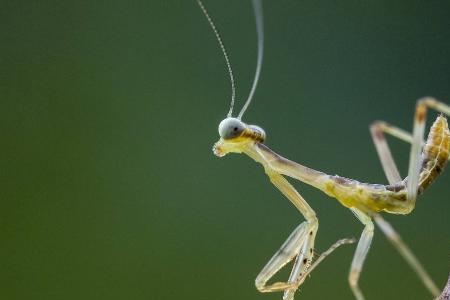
(273, 162)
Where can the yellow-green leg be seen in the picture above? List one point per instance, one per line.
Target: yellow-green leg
(360, 253)
(377, 130)
(299, 245)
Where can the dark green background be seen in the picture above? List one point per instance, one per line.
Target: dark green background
(109, 109)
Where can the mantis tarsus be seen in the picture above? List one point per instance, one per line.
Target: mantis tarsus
(366, 201)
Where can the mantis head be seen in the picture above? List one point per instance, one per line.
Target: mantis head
(235, 136)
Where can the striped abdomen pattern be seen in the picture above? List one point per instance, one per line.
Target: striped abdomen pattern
(435, 152)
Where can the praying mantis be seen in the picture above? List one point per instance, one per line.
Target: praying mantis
(426, 161)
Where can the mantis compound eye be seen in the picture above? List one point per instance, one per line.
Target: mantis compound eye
(258, 133)
(230, 128)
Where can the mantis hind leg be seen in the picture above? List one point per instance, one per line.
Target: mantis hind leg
(377, 130)
(407, 254)
(416, 139)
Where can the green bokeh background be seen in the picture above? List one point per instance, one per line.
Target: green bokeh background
(109, 110)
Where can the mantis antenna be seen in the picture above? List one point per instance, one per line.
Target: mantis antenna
(224, 51)
(257, 6)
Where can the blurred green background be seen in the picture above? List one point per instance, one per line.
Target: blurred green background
(109, 110)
